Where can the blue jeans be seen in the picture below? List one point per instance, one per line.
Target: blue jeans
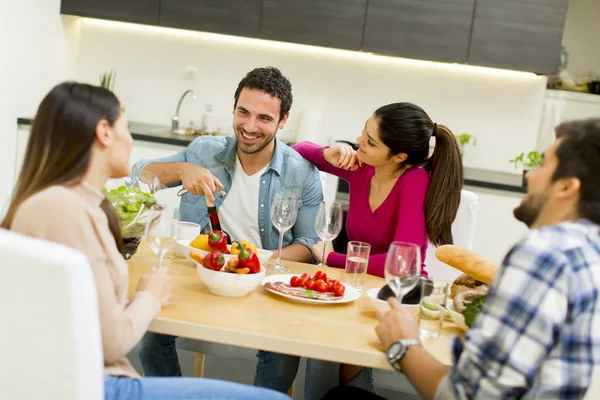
(158, 355)
(125, 388)
(278, 371)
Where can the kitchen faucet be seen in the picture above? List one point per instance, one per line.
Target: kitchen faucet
(175, 118)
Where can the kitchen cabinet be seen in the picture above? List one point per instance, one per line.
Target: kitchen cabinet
(139, 11)
(328, 23)
(231, 17)
(436, 30)
(518, 34)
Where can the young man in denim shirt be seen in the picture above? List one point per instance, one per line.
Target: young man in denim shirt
(250, 167)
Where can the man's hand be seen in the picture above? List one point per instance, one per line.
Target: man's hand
(199, 181)
(396, 324)
(317, 251)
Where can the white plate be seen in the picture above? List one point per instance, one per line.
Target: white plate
(350, 293)
(183, 249)
(382, 306)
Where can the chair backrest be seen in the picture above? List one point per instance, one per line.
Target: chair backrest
(593, 392)
(463, 233)
(50, 325)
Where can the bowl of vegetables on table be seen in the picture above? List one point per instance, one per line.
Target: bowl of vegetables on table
(130, 204)
(234, 276)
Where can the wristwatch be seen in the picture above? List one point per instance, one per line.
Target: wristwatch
(398, 349)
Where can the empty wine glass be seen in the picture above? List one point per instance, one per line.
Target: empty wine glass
(328, 224)
(402, 267)
(162, 230)
(284, 212)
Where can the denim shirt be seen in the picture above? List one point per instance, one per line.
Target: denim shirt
(288, 172)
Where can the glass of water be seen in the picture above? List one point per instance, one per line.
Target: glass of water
(432, 307)
(162, 230)
(357, 260)
(284, 212)
(402, 267)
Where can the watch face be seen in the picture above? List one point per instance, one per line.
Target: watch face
(394, 350)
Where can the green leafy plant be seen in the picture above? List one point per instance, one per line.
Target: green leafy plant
(532, 160)
(107, 80)
(464, 139)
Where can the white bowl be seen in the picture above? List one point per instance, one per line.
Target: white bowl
(183, 249)
(382, 306)
(229, 284)
(457, 318)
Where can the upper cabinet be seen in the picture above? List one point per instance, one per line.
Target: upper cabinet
(140, 11)
(518, 34)
(436, 30)
(512, 34)
(230, 17)
(328, 23)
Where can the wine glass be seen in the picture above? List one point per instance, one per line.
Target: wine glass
(402, 268)
(162, 230)
(284, 212)
(328, 224)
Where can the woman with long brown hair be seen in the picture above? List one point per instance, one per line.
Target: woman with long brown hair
(397, 193)
(79, 140)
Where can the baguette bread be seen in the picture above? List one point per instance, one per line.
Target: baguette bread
(468, 262)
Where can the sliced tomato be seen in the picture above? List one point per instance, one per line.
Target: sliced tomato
(339, 290)
(296, 281)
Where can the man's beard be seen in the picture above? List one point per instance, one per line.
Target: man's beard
(530, 208)
(256, 147)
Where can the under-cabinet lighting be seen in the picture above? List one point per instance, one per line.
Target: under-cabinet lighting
(262, 43)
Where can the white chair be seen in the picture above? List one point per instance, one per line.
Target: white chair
(463, 233)
(593, 392)
(50, 326)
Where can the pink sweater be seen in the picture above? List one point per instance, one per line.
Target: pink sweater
(401, 216)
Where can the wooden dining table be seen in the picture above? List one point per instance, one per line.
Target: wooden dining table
(343, 333)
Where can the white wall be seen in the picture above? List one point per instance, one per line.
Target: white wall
(582, 30)
(35, 57)
(335, 91)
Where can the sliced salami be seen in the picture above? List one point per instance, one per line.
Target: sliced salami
(300, 292)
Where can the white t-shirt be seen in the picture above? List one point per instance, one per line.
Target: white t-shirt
(238, 213)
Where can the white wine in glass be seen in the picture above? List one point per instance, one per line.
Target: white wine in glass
(328, 224)
(284, 212)
(162, 230)
(402, 267)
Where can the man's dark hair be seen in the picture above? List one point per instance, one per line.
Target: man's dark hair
(270, 80)
(579, 157)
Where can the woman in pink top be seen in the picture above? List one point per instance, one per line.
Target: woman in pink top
(80, 139)
(397, 192)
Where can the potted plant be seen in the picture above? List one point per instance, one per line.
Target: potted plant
(464, 139)
(107, 81)
(531, 161)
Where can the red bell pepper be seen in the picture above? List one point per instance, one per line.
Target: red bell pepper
(217, 240)
(214, 260)
(249, 259)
